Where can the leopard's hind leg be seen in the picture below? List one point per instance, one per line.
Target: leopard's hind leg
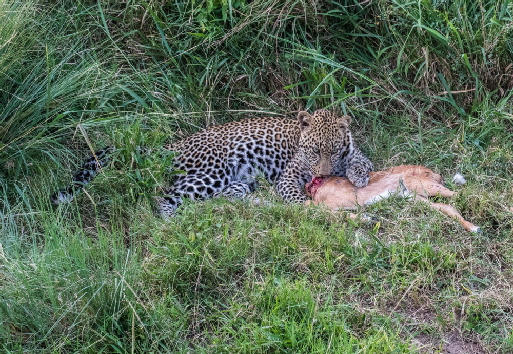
(198, 186)
(237, 190)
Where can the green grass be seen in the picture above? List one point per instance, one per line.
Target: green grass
(426, 82)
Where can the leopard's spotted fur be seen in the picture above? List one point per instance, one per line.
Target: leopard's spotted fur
(225, 159)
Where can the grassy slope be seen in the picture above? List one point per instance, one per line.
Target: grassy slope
(427, 84)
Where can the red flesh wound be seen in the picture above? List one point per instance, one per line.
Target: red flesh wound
(311, 188)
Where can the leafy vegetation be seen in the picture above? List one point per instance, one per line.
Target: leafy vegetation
(427, 82)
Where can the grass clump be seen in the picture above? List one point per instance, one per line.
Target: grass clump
(427, 83)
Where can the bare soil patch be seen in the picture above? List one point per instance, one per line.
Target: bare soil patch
(452, 343)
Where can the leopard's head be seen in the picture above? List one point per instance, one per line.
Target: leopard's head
(325, 140)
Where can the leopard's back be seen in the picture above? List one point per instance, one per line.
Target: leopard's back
(229, 150)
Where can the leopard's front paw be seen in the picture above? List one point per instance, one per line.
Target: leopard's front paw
(358, 177)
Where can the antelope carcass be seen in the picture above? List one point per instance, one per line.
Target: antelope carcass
(413, 182)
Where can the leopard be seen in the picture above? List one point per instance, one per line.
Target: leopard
(226, 159)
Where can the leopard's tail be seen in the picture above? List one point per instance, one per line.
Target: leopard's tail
(90, 168)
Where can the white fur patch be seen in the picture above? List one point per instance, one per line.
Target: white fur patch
(401, 192)
(458, 179)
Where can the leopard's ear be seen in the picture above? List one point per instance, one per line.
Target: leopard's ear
(305, 120)
(344, 121)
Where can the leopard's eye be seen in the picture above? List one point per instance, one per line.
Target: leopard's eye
(316, 150)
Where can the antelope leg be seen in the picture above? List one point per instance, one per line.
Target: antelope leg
(451, 211)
